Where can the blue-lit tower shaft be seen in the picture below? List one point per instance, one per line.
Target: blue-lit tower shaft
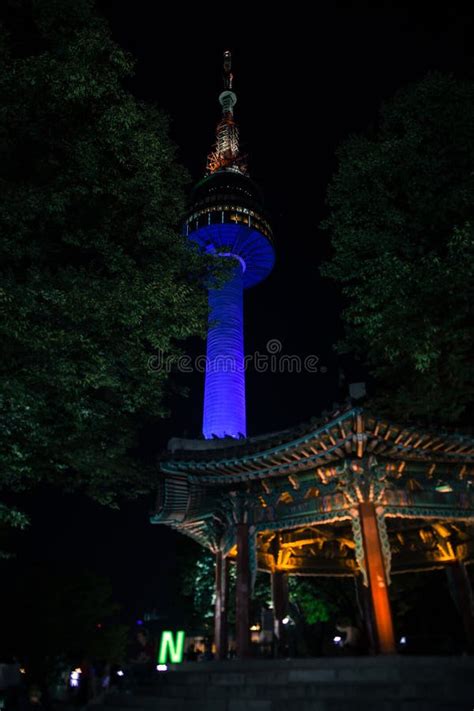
(226, 219)
(224, 389)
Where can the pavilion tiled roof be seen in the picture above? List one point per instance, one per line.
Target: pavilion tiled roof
(351, 433)
(297, 477)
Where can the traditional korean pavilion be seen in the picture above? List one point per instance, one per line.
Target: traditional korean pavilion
(353, 494)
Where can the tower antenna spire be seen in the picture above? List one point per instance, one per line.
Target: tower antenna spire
(228, 76)
(226, 151)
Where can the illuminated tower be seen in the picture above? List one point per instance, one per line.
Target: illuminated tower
(227, 219)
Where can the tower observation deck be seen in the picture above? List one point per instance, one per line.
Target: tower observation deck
(227, 219)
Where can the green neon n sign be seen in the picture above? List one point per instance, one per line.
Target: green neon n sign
(172, 646)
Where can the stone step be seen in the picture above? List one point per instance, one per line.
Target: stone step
(323, 690)
(357, 684)
(339, 670)
(319, 676)
(300, 697)
(304, 704)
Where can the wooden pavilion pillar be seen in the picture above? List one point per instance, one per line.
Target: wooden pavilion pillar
(378, 587)
(242, 590)
(461, 592)
(220, 610)
(364, 603)
(280, 605)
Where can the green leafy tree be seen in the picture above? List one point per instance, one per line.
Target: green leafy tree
(198, 583)
(402, 226)
(315, 599)
(311, 599)
(96, 277)
(48, 614)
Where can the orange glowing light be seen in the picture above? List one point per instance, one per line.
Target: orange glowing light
(377, 579)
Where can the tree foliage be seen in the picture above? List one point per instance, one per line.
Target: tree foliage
(402, 227)
(315, 599)
(197, 586)
(47, 614)
(95, 275)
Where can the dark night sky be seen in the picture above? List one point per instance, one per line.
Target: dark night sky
(305, 80)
